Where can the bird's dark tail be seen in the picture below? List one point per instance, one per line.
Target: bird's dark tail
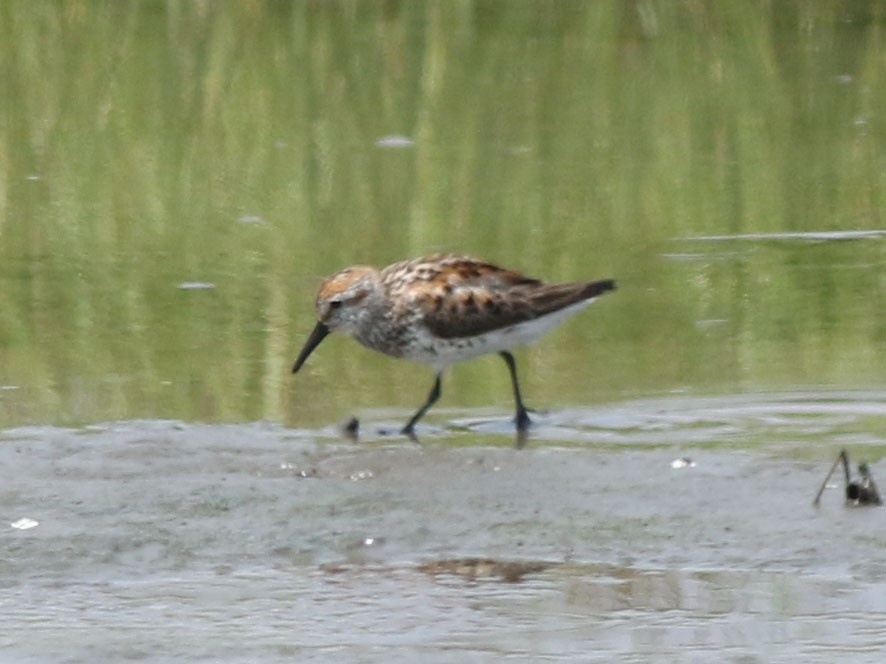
(597, 288)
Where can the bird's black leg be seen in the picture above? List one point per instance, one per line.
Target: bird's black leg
(522, 417)
(409, 429)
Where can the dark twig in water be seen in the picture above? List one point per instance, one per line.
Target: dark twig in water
(861, 492)
(827, 478)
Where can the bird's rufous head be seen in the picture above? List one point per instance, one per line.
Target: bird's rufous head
(338, 305)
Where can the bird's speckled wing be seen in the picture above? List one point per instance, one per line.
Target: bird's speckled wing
(458, 296)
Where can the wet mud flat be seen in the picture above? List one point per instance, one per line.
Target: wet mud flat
(671, 531)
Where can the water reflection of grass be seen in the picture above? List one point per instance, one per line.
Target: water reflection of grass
(146, 145)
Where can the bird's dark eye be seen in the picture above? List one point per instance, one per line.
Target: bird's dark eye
(334, 304)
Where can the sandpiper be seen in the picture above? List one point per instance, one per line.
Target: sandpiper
(443, 309)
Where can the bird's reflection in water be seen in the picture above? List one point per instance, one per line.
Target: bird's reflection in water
(350, 429)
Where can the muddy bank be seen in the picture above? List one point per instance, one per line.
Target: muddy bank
(163, 540)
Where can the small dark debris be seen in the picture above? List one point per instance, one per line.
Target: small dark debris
(352, 427)
(858, 492)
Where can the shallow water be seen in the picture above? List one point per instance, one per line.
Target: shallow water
(166, 541)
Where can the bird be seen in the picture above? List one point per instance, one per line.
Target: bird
(443, 309)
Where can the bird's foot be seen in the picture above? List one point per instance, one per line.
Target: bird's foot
(409, 432)
(522, 419)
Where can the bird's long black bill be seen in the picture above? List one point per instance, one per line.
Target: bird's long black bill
(318, 335)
